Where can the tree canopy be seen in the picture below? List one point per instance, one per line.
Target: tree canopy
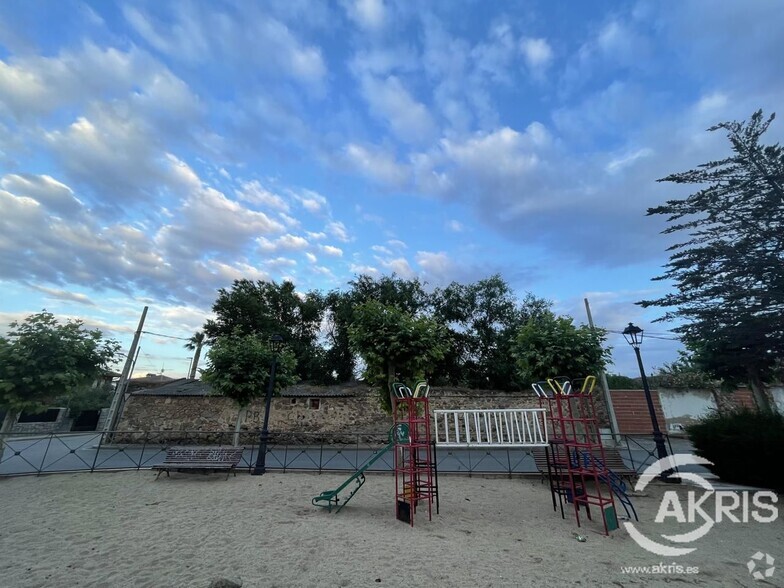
(42, 359)
(728, 273)
(265, 308)
(394, 344)
(461, 335)
(549, 346)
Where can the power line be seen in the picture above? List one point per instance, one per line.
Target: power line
(166, 336)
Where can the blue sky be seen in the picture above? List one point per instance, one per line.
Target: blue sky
(153, 152)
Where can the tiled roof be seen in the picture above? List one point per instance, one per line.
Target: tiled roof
(180, 387)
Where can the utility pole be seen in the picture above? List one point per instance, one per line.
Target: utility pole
(605, 386)
(119, 391)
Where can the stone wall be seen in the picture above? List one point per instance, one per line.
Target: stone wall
(61, 425)
(303, 416)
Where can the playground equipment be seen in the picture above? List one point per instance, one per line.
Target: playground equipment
(575, 454)
(329, 499)
(416, 476)
(504, 427)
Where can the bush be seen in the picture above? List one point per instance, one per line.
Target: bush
(744, 446)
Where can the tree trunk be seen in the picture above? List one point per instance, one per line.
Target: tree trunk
(237, 426)
(5, 429)
(758, 390)
(390, 381)
(195, 363)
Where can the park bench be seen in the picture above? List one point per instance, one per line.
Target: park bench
(200, 458)
(612, 461)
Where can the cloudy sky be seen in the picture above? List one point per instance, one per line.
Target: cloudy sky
(153, 152)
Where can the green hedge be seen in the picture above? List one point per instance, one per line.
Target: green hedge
(745, 447)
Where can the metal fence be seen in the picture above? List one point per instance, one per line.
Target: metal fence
(133, 450)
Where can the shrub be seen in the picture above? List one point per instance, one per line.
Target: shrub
(744, 446)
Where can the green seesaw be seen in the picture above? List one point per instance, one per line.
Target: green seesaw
(331, 498)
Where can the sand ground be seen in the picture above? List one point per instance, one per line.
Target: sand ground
(126, 529)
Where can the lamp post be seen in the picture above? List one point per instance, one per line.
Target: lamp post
(276, 344)
(633, 336)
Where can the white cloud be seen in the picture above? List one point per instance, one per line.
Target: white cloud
(376, 163)
(249, 37)
(254, 193)
(283, 243)
(209, 221)
(537, 53)
(311, 258)
(65, 295)
(389, 100)
(627, 159)
(399, 266)
(331, 251)
(381, 249)
(367, 14)
(312, 201)
(338, 230)
(364, 270)
(44, 189)
(455, 226)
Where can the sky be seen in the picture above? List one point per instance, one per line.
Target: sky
(153, 152)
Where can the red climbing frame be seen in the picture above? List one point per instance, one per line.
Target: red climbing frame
(414, 479)
(575, 443)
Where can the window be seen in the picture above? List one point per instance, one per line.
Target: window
(293, 401)
(314, 403)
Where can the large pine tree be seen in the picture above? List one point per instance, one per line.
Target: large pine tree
(729, 273)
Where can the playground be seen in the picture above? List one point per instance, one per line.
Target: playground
(124, 529)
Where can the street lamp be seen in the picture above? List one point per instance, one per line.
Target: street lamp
(276, 344)
(633, 336)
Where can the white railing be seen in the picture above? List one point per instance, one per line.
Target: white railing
(506, 427)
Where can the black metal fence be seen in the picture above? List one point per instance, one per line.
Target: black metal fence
(317, 452)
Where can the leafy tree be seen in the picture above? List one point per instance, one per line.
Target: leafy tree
(338, 355)
(238, 367)
(395, 345)
(86, 397)
(685, 372)
(407, 295)
(729, 273)
(482, 318)
(195, 343)
(42, 359)
(265, 308)
(548, 346)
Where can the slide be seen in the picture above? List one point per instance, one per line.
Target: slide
(331, 498)
(614, 481)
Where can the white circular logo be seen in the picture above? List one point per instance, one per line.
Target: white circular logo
(671, 500)
(760, 570)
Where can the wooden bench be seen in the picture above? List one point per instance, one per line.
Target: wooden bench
(200, 458)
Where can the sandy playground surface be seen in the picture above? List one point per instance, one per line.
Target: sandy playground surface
(125, 529)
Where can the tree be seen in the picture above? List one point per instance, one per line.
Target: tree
(195, 344)
(395, 345)
(42, 359)
(549, 346)
(265, 308)
(729, 273)
(238, 367)
(482, 319)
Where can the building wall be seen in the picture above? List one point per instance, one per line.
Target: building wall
(61, 425)
(362, 412)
